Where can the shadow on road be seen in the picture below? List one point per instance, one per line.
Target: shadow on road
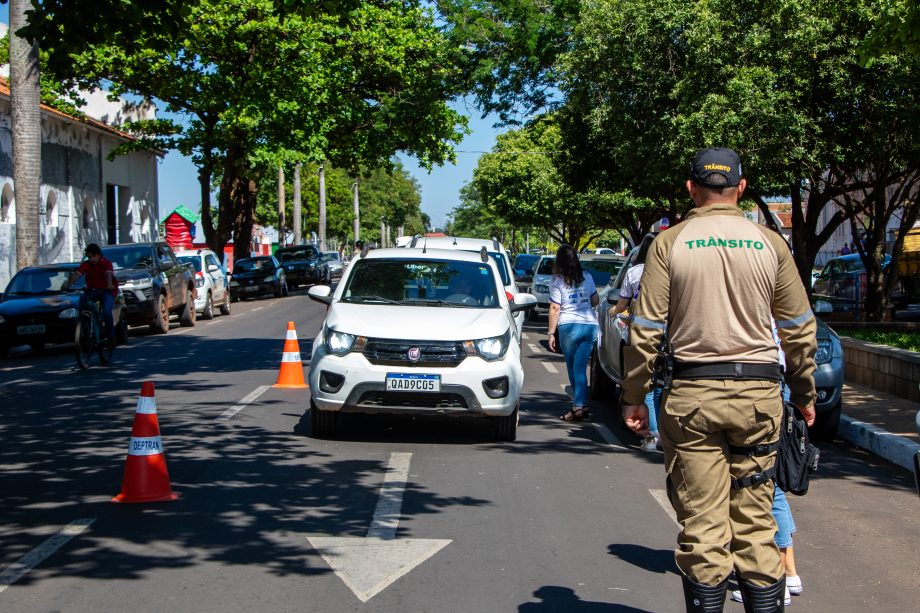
(554, 598)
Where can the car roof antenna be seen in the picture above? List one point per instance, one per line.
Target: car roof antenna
(455, 240)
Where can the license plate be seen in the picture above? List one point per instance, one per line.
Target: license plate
(37, 329)
(413, 383)
(252, 289)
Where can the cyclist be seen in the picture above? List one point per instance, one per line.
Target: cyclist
(101, 285)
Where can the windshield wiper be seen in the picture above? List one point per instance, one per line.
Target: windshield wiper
(371, 299)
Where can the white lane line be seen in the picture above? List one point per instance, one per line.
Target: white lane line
(14, 382)
(214, 322)
(661, 497)
(534, 348)
(243, 403)
(526, 335)
(15, 571)
(389, 506)
(609, 436)
(257, 309)
(550, 367)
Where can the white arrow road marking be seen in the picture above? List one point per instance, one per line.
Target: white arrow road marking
(15, 571)
(369, 565)
(661, 497)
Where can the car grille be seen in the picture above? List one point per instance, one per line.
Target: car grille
(431, 353)
(131, 296)
(413, 399)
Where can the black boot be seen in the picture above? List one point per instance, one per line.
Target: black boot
(764, 598)
(704, 598)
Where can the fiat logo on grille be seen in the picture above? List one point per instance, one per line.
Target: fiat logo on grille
(414, 354)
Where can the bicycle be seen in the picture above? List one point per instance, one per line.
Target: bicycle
(88, 338)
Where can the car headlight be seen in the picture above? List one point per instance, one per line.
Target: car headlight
(493, 348)
(268, 279)
(138, 283)
(339, 343)
(234, 284)
(70, 313)
(541, 289)
(824, 353)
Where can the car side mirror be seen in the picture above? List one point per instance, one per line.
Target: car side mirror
(321, 293)
(523, 302)
(165, 263)
(213, 268)
(823, 307)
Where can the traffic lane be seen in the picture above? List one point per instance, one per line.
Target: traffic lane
(65, 436)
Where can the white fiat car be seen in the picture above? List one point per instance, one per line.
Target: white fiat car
(418, 331)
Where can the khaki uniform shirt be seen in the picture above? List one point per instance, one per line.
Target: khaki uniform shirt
(715, 281)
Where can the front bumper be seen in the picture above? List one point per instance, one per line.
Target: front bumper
(55, 331)
(829, 384)
(140, 304)
(258, 289)
(462, 391)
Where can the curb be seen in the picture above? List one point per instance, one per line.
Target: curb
(896, 449)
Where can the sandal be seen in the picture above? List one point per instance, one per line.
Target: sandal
(574, 415)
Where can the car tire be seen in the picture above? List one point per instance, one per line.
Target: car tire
(322, 423)
(187, 318)
(160, 325)
(225, 307)
(504, 427)
(284, 290)
(826, 424)
(208, 311)
(601, 385)
(278, 293)
(121, 331)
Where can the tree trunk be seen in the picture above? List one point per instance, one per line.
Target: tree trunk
(281, 221)
(245, 196)
(357, 220)
(298, 239)
(764, 209)
(25, 100)
(322, 208)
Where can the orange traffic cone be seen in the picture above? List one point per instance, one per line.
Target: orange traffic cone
(146, 478)
(291, 373)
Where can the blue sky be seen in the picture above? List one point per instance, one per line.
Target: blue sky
(178, 179)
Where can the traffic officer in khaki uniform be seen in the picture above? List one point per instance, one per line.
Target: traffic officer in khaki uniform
(714, 282)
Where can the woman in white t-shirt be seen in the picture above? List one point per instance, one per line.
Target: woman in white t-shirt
(572, 298)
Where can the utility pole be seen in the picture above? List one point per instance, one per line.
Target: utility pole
(383, 233)
(357, 222)
(280, 206)
(297, 204)
(322, 208)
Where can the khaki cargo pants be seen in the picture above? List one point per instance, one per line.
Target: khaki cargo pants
(721, 527)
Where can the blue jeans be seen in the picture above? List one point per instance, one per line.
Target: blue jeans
(107, 300)
(577, 342)
(785, 525)
(653, 402)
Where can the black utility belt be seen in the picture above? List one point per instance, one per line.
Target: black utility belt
(728, 370)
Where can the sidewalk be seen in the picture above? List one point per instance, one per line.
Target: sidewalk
(880, 423)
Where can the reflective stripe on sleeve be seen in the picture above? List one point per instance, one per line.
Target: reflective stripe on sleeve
(658, 325)
(797, 321)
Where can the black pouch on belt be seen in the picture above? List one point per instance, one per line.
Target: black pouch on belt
(796, 458)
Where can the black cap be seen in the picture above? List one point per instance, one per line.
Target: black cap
(716, 167)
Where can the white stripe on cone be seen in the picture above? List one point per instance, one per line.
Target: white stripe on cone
(293, 356)
(145, 445)
(291, 335)
(147, 405)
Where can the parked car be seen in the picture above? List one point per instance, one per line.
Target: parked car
(418, 331)
(602, 268)
(334, 264)
(257, 276)
(603, 251)
(210, 281)
(35, 311)
(543, 275)
(155, 284)
(494, 249)
(301, 265)
(842, 282)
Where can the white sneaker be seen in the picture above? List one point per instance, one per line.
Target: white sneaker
(736, 596)
(794, 585)
(649, 443)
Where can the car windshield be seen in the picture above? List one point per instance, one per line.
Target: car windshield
(129, 257)
(252, 264)
(423, 282)
(41, 282)
(289, 255)
(332, 255)
(194, 260)
(525, 261)
(602, 270)
(546, 266)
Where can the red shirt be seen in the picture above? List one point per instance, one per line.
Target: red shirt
(95, 274)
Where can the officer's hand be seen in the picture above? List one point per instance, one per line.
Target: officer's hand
(636, 418)
(808, 413)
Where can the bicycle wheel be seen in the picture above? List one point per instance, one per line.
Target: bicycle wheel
(106, 348)
(84, 340)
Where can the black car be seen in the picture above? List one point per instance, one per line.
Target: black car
(256, 277)
(301, 264)
(34, 311)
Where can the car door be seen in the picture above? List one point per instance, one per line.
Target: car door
(612, 327)
(218, 286)
(175, 279)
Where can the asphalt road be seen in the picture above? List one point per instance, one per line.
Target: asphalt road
(397, 514)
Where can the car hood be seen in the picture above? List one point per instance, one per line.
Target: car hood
(422, 323)
(16, 305)
(542, 279)
(124, 275)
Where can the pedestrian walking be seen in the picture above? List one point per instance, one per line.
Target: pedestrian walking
(629, 292)
(572, 298)
(714, 281)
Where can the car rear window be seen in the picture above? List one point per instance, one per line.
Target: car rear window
(194, 260)
(546, 266)
(426, 282)
(601, 270)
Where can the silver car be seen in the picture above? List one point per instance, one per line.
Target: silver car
(542, 276)
(210, 281)
(334, 264)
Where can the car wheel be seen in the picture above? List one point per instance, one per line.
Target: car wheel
(279, 291)
(284, 290)
(121, 331)
(322, 423)
(504, 428)
(160, 325)
(826, 424)
(208, 311)
(187, 319)
(225, 307)
(600, 382)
